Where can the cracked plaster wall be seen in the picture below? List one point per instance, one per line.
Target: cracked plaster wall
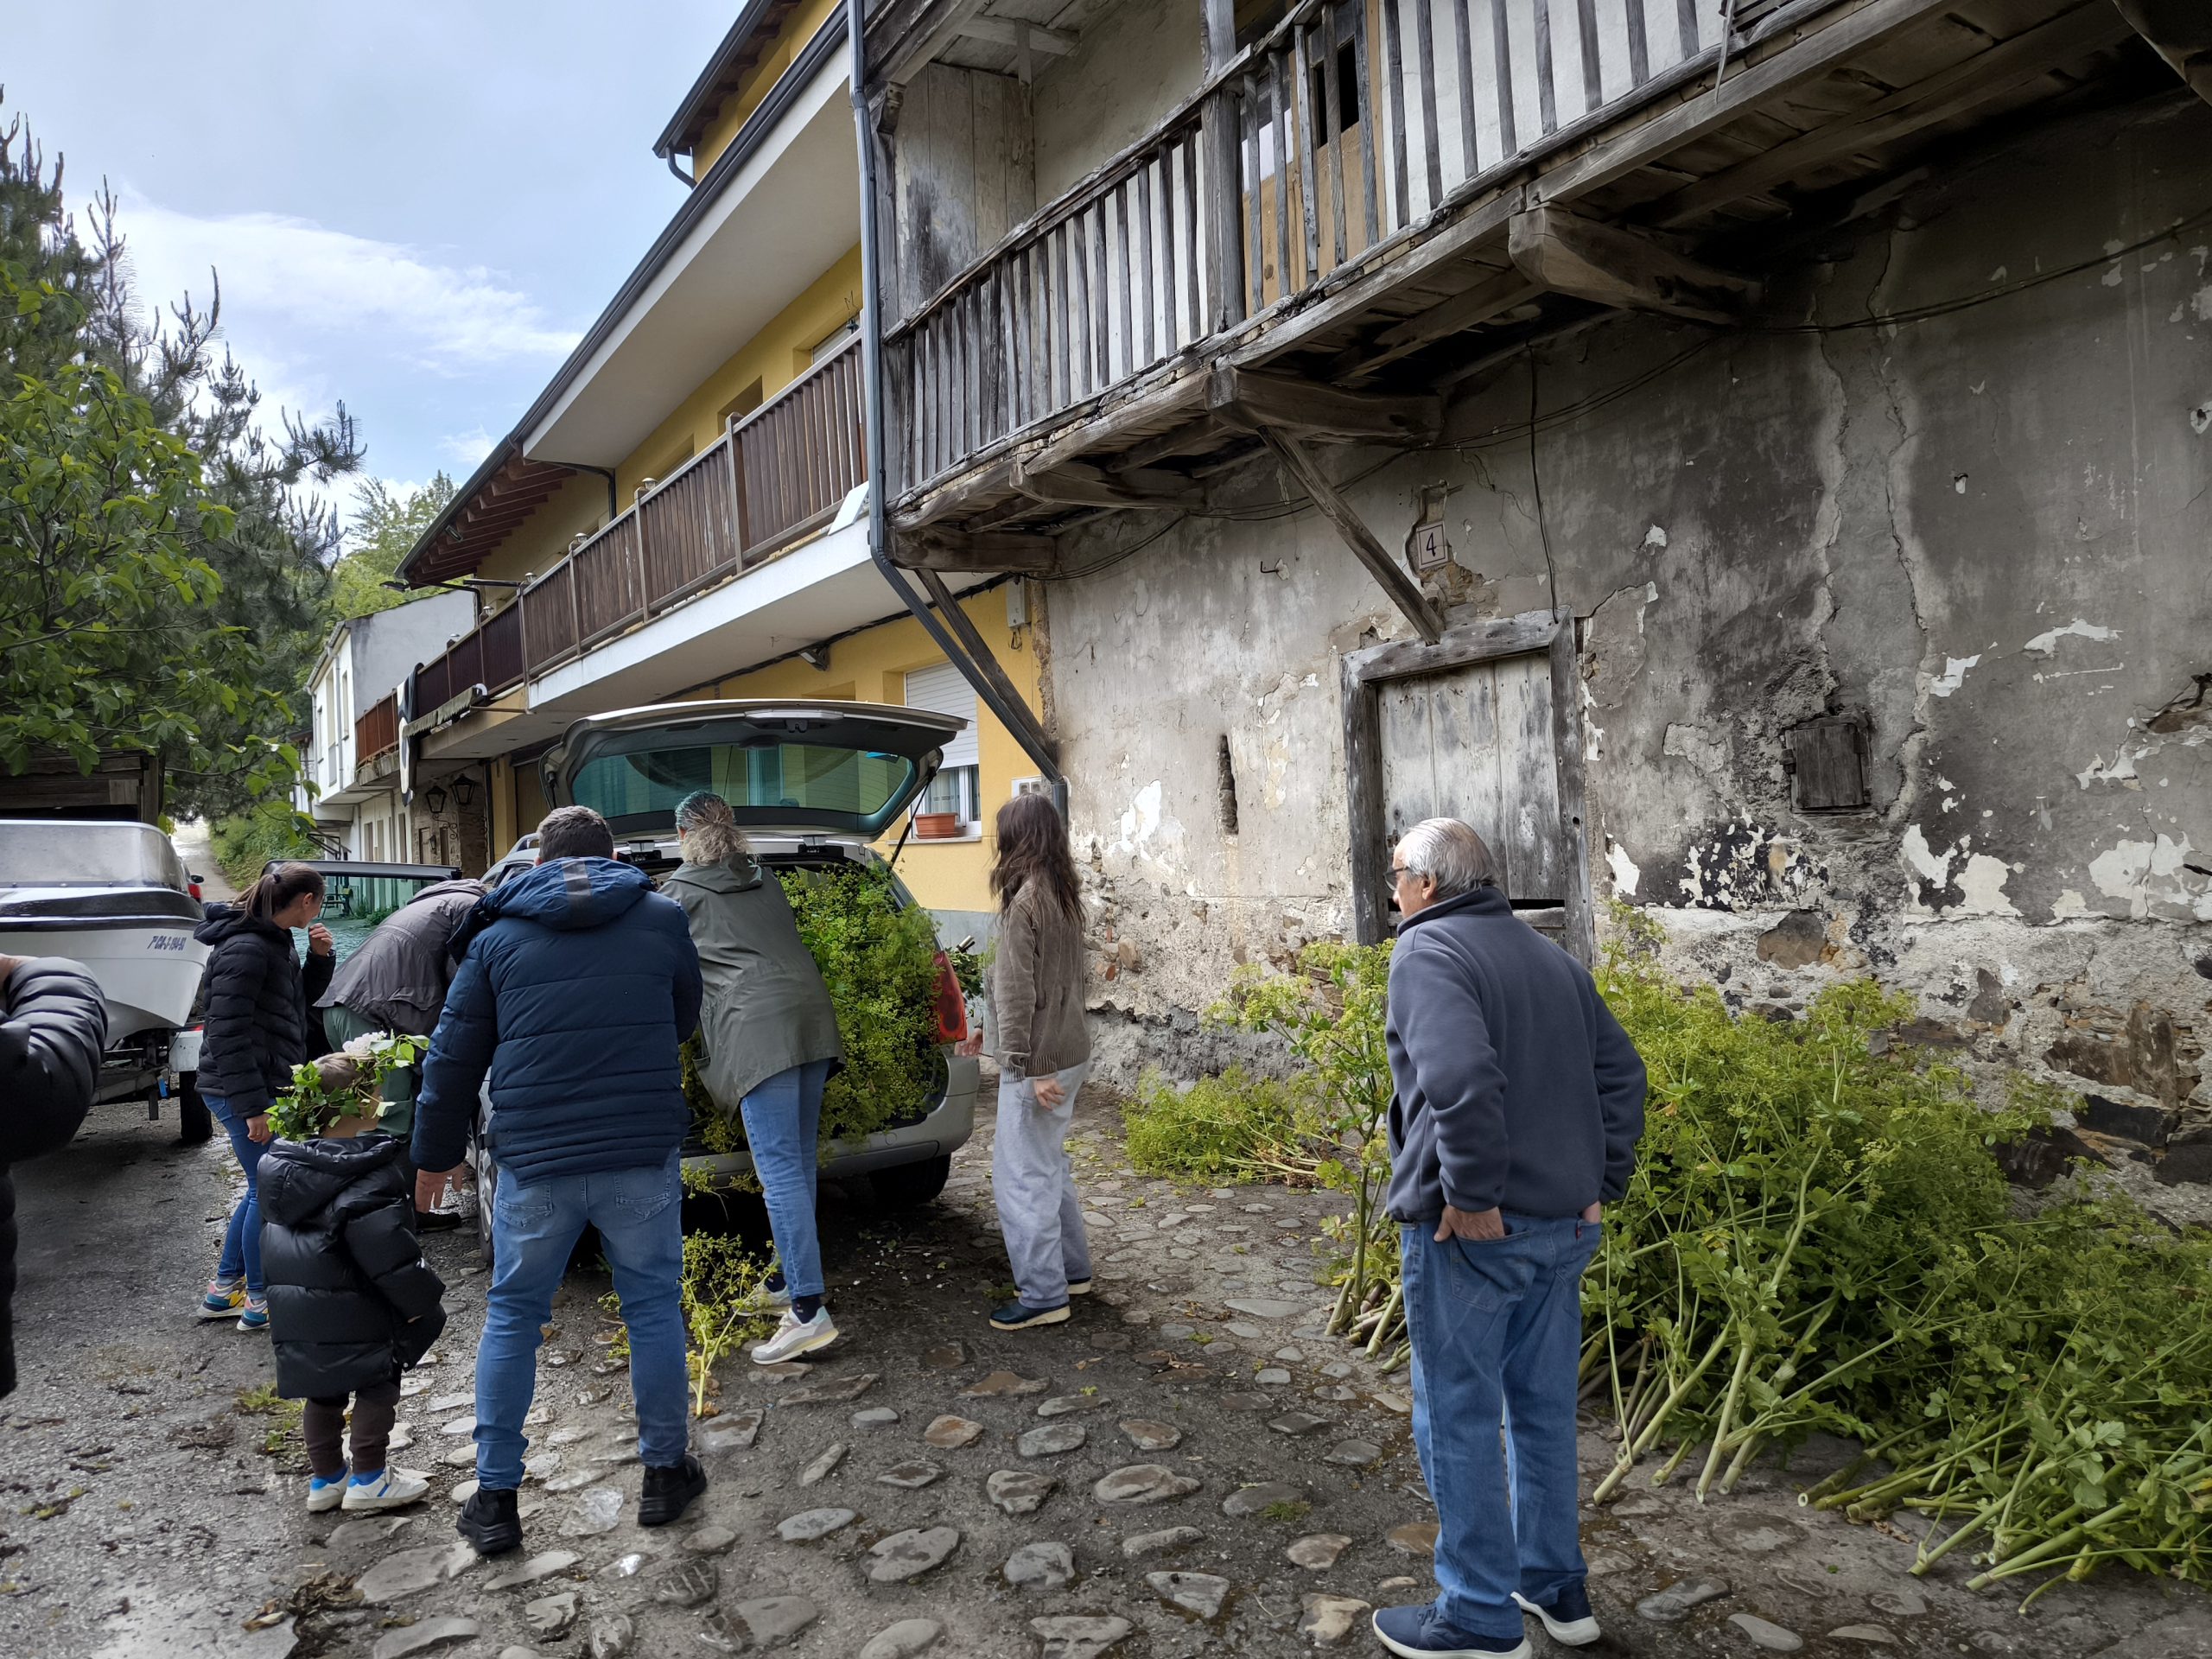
(1986, 533)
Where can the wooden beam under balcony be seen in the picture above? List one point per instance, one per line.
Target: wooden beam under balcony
(2180, 31)
(1486, 302)
(1404, 592)
(1609, 266)
(1073, 483)
(996, 550)
(1314, 409)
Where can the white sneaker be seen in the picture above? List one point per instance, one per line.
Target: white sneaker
(394, 1489)
(795, 1336)
(324, 1495)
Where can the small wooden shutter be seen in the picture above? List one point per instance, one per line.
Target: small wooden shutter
(942, 691)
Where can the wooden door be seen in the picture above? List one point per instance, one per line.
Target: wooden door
(1478, 727)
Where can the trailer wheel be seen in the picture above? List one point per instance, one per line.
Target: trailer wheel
(194, 1124)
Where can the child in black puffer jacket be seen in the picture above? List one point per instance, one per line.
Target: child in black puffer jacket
(351, 1303)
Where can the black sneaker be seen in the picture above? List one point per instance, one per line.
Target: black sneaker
(490, 1522)
(1568, 1618)
(1019, 1316)
(669, 1492)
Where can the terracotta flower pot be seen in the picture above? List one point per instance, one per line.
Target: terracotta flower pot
(936, 826)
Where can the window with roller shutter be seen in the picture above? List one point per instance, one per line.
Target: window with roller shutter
(941, 689)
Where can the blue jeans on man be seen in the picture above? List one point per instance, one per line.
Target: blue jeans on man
(1497, 1330)
(639, 1215)
(242, 1238)
(782, 1127)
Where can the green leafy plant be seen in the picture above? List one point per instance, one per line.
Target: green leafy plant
(721, 1307)
(879, 962)
(244, 843)
(342, 1085)
(1329, 1014)
(1232, 1128)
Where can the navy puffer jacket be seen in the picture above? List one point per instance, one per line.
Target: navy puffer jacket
(351, 1301)
(578, 983)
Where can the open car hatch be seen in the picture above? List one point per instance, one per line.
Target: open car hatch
(840, 768)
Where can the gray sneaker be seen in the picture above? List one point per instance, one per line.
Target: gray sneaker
(795, 1336)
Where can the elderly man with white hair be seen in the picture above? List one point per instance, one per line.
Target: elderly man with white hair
(1519, 1102)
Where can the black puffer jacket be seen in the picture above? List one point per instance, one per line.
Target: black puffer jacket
(351, 1301)
(53, 1026)
(260, 1020)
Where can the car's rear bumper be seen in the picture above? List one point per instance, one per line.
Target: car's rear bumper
(940, 1134)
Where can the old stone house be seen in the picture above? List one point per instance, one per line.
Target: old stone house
(1756, 463)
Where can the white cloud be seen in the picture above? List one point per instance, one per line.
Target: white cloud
(465, 449)
(288, 281)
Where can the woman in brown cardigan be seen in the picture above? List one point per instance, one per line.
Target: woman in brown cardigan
(1043, 1054)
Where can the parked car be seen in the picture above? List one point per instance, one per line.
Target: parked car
(113, 895)
(813, 784)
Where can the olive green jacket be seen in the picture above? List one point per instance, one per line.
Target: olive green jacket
(766, 1008)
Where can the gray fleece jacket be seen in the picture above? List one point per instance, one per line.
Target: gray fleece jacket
(1517, 1087)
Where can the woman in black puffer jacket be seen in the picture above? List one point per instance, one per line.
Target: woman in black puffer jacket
(352, 1301)
(258, 1025)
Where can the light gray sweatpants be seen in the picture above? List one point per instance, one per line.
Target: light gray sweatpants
(1038, 1212)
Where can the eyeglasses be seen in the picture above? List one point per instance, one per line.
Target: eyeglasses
(1398, 871)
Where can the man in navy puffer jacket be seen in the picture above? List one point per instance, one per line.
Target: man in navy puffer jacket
(577, 984)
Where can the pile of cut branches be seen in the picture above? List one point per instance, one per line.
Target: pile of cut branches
(1818, 1237)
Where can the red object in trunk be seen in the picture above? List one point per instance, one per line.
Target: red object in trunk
(951, 1003)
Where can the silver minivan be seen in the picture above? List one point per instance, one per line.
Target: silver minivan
(813, 784)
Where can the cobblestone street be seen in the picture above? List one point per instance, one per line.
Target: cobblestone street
(1188, 1465)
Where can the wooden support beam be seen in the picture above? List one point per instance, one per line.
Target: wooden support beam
(1949, 92)
(1076, 485)
(991, 550)
(971, 641)
(1484, 303)
(1569, 254)
(916, 55)
(1207, 433)
(1009, 31)
(1315, 409)
(2180, 31)
(1404, 592)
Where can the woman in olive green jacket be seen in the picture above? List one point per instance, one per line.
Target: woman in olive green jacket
(771, 1037)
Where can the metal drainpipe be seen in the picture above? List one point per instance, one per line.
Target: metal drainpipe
(872, 379)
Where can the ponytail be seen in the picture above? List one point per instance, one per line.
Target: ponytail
(711, 834)
(279, 887)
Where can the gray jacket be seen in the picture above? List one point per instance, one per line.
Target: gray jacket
(399, 975)
(766, 1009)
(1517, 1087)
(1036, 983)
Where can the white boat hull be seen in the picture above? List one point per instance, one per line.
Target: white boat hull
(148, 971)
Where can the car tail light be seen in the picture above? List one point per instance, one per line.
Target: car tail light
(951, 1003)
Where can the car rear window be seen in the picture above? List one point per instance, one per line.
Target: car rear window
(818, 780)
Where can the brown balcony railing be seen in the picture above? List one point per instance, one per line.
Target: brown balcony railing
(1352, 124)
(377, 730)
(770, 480)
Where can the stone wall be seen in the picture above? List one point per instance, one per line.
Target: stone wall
(1980, 530)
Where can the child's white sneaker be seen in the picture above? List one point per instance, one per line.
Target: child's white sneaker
(325, 1495)
(795, 1336)
(384, 1489)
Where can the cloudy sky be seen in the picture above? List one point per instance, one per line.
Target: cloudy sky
(414, 207)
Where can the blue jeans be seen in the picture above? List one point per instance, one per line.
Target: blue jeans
(1496, 1329)
(242, 1239)
(639, 1216)
(782, 1123)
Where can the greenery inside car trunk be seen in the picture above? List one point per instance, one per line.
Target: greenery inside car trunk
(879, 960)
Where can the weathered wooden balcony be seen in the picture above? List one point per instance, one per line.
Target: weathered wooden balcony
(770, 480)
(1377, 200)
(377, 732)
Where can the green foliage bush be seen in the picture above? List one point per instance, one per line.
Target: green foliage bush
(879, 960)
(246, 841)
(1233, 1128)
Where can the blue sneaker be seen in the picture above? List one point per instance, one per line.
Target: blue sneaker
(1568, 1620)
(1019, 1316)
(223, 1299)
(254, 1315)
(1422, 1633)
(326, 1494)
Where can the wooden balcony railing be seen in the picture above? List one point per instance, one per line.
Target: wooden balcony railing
(1353, 123)
(376, 731)
(773, 477)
